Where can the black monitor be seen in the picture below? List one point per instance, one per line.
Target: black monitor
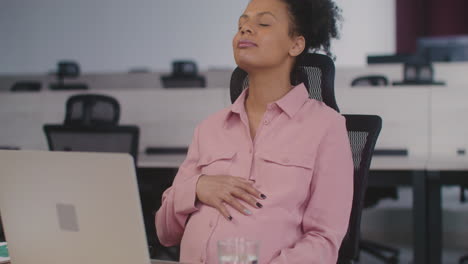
(444, 49)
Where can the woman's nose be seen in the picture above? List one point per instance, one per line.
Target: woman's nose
(246, 28)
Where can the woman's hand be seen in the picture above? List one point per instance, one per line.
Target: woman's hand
(215, 190)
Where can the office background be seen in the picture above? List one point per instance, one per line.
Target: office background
(115, 36)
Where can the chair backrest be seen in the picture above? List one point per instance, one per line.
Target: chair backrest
(122, 139)
(92, 110)
(363, 131)
(26, 86)
(370, 80)
(316, 71)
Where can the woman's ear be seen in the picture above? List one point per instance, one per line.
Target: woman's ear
(298, 46)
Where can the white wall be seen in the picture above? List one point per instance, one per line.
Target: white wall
(115, 35)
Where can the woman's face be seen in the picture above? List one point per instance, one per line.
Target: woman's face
(262, 39)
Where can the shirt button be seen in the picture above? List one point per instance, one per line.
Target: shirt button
(201, 259)
(211, 224)
(250, 151)
(266, 122)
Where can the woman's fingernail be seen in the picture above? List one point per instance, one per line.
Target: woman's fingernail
(263, 196)
(230, 218)
(247, 212)
(259, 205)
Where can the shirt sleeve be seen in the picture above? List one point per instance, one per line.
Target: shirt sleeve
(326, 216)
(179, 201)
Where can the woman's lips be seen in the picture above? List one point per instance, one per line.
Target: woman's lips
(246, 44)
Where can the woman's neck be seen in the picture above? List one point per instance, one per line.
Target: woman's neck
(266, 87)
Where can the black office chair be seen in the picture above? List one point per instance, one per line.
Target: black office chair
(184, 74)
(91, 124)
(122, 139)
(68, 70)
(26, 86)
(375, 194)
(316, 71)
(363, 131)
(92, 110)
(370, 80)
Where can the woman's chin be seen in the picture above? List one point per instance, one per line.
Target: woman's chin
(248, 64)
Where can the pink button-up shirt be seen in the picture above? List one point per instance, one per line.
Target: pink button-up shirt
(300, 159)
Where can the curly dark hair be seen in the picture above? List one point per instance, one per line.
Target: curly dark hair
(318, 22)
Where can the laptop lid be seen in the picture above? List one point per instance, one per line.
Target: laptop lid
(71, 207)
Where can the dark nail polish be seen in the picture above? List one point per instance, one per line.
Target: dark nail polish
(263, 196)
(230, 218)
(259, 205)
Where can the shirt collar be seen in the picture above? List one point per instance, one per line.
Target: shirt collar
(293, 100)
(289, 103)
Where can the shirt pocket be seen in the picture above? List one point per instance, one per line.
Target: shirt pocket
(286, 174)
(216, 163)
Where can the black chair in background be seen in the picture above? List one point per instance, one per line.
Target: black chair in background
(316, 71)
(363, 131)
(375, 194)
(120, 139)
(92, 110)
(184, 74)
(68, 70)
(370, 80)
(26, 86)
(91, 124)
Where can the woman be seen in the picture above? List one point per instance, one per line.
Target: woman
(275, 166)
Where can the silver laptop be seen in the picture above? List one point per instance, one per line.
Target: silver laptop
(71, 208)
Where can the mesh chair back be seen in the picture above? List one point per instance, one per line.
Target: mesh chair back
(92, 110)
(371, 80)
(316, 71)
(363, 131)
(122, 139)
(26, 86)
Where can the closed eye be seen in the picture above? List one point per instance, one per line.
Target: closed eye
(264, 25)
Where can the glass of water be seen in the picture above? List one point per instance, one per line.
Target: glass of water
(238, 251)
